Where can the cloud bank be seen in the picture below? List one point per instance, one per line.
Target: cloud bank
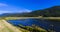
(5, 8)
(2, 5)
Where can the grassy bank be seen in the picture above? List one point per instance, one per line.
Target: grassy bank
(32, 28)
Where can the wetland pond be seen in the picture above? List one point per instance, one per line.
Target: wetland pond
(46, 24)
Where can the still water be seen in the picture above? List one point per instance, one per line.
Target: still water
(46, 24)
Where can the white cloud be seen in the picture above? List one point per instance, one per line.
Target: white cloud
(20, 11)
(4, 8)
(2, 5)
(24, 10)
(1, 12)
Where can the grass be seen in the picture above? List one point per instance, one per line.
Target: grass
(33, 29)
(23, 30)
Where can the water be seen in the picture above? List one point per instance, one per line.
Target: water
(46, 24)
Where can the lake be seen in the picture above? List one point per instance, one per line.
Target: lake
(46, 24)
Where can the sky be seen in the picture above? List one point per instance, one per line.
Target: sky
(20, 6)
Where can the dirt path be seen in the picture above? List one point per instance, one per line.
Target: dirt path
(6, 27)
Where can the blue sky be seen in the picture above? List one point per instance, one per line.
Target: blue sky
(19, 6)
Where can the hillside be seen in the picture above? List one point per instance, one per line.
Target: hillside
(48, 12)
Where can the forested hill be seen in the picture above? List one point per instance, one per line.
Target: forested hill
(52, 11)
(48, 12)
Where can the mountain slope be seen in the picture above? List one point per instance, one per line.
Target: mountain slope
(52, 12)
(48, 12)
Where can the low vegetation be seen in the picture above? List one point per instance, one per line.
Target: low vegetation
(32, 28)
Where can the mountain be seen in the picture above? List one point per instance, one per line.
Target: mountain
(13, 14)
(48, 12)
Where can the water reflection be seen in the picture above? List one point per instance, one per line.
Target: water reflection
(46, 24)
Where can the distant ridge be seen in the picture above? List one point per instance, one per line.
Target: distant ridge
(49, 12)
